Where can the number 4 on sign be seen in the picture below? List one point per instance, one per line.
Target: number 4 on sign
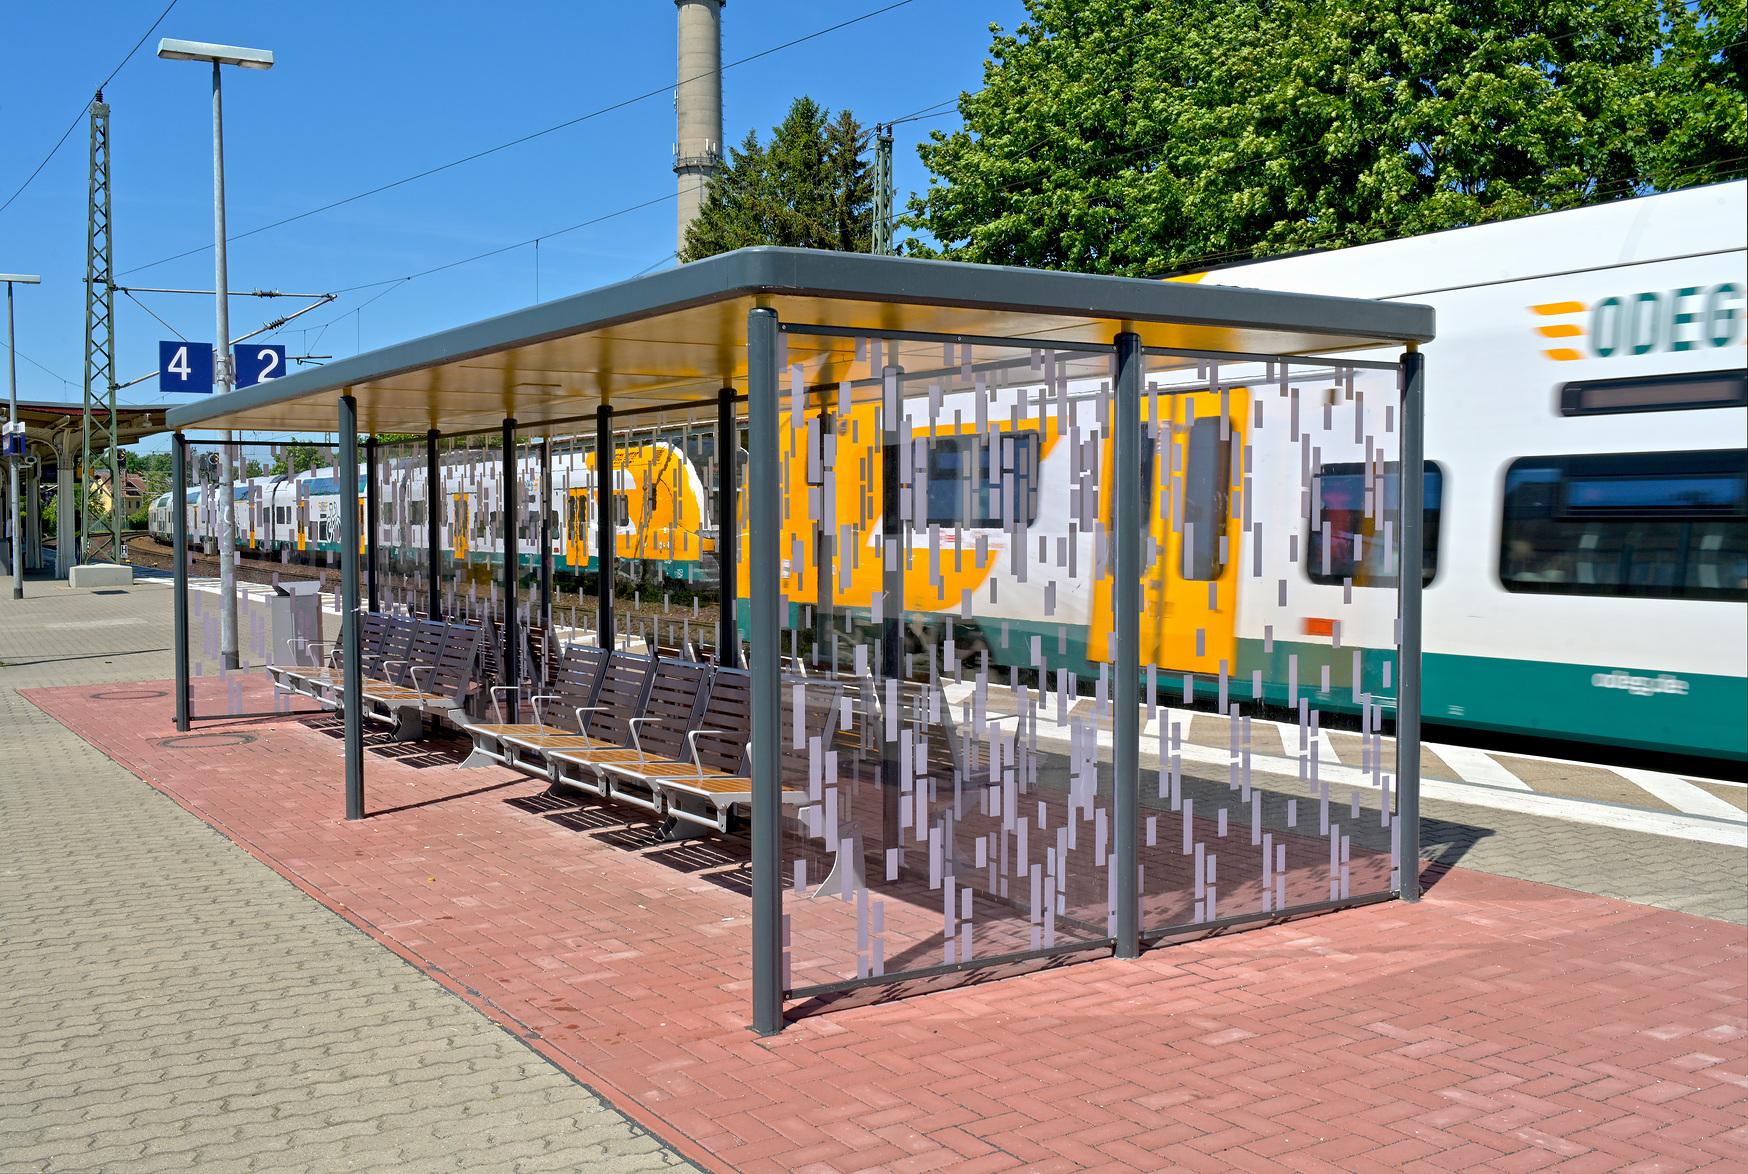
(185, 367)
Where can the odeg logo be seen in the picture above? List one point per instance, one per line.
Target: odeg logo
(1640, 686)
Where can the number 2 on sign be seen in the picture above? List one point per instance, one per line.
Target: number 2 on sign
(269, 360)
(179, 365)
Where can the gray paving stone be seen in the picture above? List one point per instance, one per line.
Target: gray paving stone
(169, 1003)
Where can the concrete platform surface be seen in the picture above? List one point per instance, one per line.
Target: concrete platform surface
(168, 1002)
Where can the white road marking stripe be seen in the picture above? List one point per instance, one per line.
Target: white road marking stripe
(1526, 802)
(1681, 794)
(1476, 766)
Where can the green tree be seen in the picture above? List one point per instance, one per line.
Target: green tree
(811, 187)
(1702, 76)
(1139, 136)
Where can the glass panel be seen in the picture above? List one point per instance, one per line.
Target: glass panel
(945, 539)
(1258, 656)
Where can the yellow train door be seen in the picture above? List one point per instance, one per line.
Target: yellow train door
(576, 528)
(1192, 476)
(460, 520)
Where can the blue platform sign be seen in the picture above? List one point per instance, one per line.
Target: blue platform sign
(185, 367)
(257, 364)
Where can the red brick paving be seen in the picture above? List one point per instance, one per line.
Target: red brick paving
(1499, 1023)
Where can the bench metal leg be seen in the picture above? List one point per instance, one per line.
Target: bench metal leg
(409, 725)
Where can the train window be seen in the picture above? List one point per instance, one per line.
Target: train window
(1668, 525)
(416, 512)
(969, 476)
(1655, 393)
(1207, 478)
(622, 503)
(1345, 543)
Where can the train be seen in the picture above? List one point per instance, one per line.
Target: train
(660, 507)
(1584, 536)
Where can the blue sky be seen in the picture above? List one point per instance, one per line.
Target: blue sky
(368, 91)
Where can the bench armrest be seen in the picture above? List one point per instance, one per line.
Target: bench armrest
(692, 745)
(636, 742)
(413, 672)
(581, 710)
(497, 704)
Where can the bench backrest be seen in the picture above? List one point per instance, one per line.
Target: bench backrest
(396, 642)
(624, 686)
(426, 644)
(576, 682)
(455, 664)
(676, 693)
(729, 709)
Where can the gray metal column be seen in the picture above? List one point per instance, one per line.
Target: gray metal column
(892, 557)
(546, 537)
(372, 506)
(509, 492)
(727, 531)
(433, 527)
(823, 547)
(605, 507)
(764, 472)
(1413, 493)
(66, 504)
(179, 563)
(1126, 520)
(352, 670)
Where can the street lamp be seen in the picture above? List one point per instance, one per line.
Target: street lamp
(171, 49)
(15, 428)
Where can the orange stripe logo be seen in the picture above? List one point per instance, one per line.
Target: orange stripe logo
(1564, 354)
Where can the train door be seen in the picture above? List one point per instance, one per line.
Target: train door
(301, 517)
(576, 528)
(1192, 458)
(460, 522)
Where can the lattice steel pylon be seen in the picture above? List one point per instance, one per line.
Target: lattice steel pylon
(100, 431)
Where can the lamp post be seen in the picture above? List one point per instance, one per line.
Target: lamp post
(171, 49)
(14, 457)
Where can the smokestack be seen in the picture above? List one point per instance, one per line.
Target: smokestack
(697, 104)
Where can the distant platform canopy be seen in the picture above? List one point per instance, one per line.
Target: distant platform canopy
(674, 339)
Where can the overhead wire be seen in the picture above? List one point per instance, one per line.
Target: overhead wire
(531, 136)
(72, 126)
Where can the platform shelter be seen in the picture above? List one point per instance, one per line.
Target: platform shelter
(997, 537)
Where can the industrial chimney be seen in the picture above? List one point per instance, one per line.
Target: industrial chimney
(697, 104)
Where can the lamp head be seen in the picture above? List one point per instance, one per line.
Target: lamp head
(171, 49)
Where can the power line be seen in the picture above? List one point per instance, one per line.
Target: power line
(79, 117)
(530, 137)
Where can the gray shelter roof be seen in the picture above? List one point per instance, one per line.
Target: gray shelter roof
(676, 337)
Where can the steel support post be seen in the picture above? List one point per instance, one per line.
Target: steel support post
(605, 508)
(66, 505)
(353, 675)
(727, 531)
(433, 527)
(546, 537)
(764, 648)
(1127, 521)
(1413, 492)
(892, 557)
(823, 546)
(179, 567)
(15, 519)
(372, 506)
(510, 492)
